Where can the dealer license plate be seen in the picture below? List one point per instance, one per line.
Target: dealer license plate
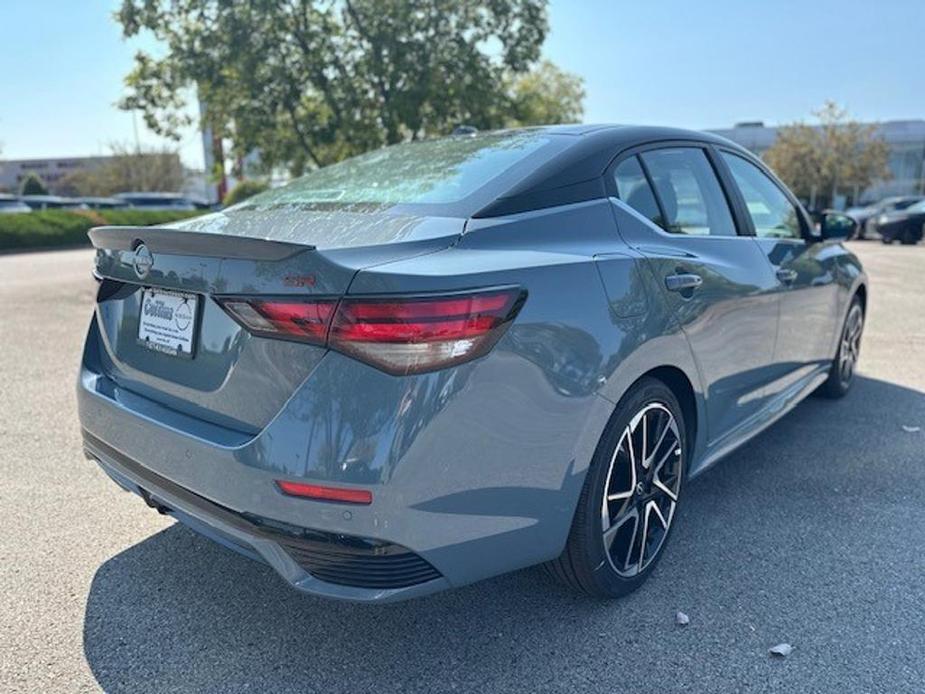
(168, 322)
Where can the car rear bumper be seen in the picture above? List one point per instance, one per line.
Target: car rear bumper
(475, 471)
(286, 552)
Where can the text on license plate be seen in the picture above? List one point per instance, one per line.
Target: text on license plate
(168, 321)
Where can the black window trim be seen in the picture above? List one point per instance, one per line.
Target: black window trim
(740, 218)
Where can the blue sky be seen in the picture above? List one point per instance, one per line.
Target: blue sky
(698, 64)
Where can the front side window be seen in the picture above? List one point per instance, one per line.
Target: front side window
(772, 213)
(689, 193)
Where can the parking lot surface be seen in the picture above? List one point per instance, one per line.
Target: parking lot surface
(812, 534)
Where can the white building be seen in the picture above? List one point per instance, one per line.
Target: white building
(906, 140)
(51, 171)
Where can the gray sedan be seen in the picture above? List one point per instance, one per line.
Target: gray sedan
(450, 359)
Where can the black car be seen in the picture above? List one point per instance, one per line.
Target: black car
(905, 226)
(867, 217)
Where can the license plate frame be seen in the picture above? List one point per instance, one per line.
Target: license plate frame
(165, 326)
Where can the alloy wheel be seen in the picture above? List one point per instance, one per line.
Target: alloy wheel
(641, 490)
(850, 343)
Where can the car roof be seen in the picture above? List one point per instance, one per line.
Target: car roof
(574, 172)
(49, 199)
(153, 195)
(628, 133)
(92, 198)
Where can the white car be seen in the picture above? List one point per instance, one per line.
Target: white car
(10, 204)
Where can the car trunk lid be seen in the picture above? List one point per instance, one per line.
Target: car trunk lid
(231, 377)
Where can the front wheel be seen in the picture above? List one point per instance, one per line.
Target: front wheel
(841, 373)
(630, 497)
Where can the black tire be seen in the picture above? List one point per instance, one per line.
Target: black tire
(839, 381)
(585, 564)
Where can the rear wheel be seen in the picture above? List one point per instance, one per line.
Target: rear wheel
(841, 374)
(630, 497)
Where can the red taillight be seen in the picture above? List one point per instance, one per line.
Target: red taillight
(400, 335)
(322, 493)
(417, 334)
(300, 320)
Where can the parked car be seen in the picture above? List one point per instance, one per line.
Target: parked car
(103, 203)
(52, 202)
(446, 360)
(905, 226)
(866, 216)
(10, 204)
(157, 201)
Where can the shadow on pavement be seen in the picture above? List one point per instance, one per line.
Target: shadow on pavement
(767, 540)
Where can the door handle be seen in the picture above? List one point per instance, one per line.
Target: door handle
(786, 275)
(682, 282)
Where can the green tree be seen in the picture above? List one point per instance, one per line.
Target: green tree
(545, 95)
(310, 82)
(839, 154)
(129, 169)
(244, 190)
(33, 185)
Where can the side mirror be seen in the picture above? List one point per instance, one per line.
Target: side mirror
(835, 225)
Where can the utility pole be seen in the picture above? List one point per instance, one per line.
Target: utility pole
(135, 128)
(213, 156)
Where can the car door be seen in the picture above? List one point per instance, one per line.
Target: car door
(713, 277)
(805, 272)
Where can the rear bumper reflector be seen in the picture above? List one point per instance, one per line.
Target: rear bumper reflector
(322, 493)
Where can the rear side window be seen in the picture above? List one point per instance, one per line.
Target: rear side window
(633, 188)
(773, 215)
(689, 193)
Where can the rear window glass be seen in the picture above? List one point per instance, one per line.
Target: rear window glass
(434, 172)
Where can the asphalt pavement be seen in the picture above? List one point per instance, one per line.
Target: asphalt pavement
(813, 535)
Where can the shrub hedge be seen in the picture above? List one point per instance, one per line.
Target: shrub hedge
(244, 190)
(50, 228)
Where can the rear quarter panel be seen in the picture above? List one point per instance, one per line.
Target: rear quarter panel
(502, 445)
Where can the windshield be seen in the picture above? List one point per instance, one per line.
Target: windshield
(917, 207)
(430, 172)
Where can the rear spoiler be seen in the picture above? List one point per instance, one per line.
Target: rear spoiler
(181, 242)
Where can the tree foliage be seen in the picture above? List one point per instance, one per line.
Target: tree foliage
(545, 95)
(310, 82)
(244, 190)
(129, 169)
(33, 185)
(838, 154)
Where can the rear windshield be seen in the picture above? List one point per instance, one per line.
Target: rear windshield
(430, 172)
